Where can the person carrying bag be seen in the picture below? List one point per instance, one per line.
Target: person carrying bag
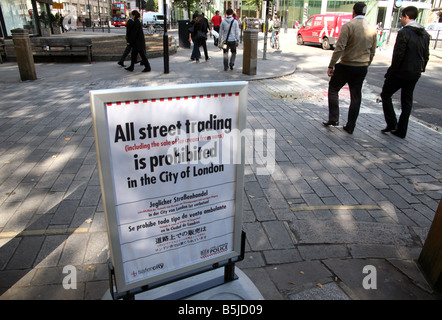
(230, 41)
(223, 44)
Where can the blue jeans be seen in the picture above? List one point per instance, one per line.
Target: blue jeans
(272, 39)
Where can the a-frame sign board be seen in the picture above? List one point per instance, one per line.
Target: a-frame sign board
(171, 167)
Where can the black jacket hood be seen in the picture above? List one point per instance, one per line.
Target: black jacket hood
(417, 28)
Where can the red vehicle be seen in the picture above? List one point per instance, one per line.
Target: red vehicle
(119, 14)
(323, 29)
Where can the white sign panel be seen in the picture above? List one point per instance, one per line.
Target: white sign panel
(170, 175)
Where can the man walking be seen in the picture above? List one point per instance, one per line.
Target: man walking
(355, 48)
(216, 23)
(137, 42)
(229, 34)
(410, 57)
(128, 47)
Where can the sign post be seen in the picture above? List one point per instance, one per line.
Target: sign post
(165, 40)
(171, 170)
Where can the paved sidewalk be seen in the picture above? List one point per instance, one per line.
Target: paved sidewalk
(335, 203)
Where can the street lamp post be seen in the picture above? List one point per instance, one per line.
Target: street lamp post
(165, 40)
(99, 15)
(207, 5)
(268, 3)
(90, 17)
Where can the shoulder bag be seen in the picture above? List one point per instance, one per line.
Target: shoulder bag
(224, 45)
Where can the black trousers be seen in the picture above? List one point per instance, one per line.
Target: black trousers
(215, 40)
(204, 45)
(391, 85)
(125, 53)
(134, 55)
(354, 76)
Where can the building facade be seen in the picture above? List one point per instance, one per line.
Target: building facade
(35, 15)
(39, 15)
(385, 12)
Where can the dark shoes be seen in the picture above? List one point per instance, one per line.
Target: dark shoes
(388, 129)
(394, 131)
(397, 133)
(146, 69)
(348, 129)
(331, 123)
(336, 123)
(121, 63)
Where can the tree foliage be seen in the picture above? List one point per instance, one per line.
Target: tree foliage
(151, 5)
(189, 5)
(256, 3)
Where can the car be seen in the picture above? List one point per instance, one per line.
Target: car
(435, 30)
(322, 29)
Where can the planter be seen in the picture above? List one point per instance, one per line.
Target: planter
(45, 32)
(56, 30)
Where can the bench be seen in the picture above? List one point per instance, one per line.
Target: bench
(2, 49)
(53, 47)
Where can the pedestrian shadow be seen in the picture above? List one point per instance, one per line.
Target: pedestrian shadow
(34, 258)
(51, 199)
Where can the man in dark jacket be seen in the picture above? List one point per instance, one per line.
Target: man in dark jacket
(410, 57)
(136, 40)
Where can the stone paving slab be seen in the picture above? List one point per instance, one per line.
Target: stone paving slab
(389, 285)
(329, 291)
(344, 231)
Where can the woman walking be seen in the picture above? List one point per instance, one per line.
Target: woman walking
(193, 36)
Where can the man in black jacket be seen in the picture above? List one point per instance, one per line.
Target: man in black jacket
(410, 57)
(136, 40)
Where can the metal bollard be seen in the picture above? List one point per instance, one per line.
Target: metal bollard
(23, 52)
(250, 52)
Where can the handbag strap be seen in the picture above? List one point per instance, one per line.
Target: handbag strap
(228, 33)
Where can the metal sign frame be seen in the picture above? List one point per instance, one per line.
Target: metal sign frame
(99, 100)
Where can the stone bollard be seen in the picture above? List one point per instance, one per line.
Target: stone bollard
(250, 52)
(23, 52)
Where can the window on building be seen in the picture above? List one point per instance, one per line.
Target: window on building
(18, 14)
